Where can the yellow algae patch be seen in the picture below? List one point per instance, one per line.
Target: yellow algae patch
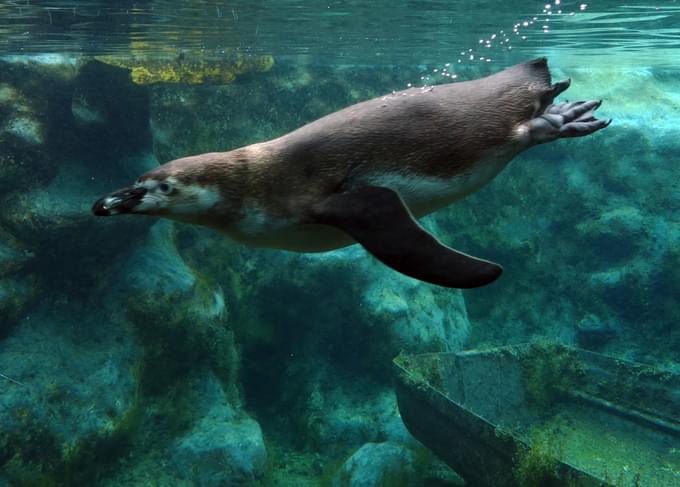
(188, 68)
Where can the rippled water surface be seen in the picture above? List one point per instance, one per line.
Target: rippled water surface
(353, 31)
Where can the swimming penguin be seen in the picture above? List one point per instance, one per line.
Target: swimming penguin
(366, 173)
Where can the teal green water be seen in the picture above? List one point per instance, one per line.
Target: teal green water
(137, 352)
(353, 32)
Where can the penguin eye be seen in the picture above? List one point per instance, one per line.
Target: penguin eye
(164, 187)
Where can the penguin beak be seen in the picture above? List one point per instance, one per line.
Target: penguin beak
(121, 201)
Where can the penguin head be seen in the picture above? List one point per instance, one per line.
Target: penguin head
(167, 191)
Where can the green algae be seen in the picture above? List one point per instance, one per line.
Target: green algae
(33, 457)
(549, 370)
(180, 67)
(427, 370)
(619, 453)
(177, 338)
(539, 465)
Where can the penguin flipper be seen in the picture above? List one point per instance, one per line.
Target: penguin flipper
(378, 219)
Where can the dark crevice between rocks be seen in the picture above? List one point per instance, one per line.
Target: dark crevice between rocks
(309, 330)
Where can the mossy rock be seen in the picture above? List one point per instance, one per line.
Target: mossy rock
(71, 408)
(188, 68)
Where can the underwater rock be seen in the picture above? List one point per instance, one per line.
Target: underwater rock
(26, 129)
(420, 318)
(22, 133)
(69, 392)
(221, 451)
(94, 111)
(347, 416)
(53, 165)
(13, 256)
(52, 221)
(592, 332)
(413, 316)
(17, 290)
(377, 464)
(15, 294)
(225, 447)
(110, 114)
(179, 314)
(186, 67)
(618, 235)
(61, 67)
(85, 111)
(33, 125)
(155, 265)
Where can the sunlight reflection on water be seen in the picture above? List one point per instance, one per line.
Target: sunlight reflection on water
(350, 31)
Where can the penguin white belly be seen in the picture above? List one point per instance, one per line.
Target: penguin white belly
(258, 228)
(425, 194)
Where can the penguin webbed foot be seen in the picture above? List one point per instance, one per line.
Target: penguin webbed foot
(558, 88)
(566, 119)
(378, 219)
